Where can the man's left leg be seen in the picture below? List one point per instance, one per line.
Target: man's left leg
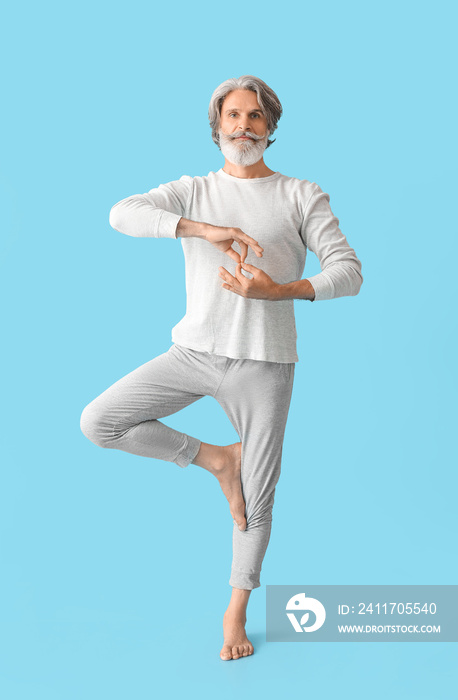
(256, 396)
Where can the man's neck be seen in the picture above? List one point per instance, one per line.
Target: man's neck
(247, 172)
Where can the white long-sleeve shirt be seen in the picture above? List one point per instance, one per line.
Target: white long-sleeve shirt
(286, 216)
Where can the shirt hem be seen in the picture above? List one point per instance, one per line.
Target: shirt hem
(195, 346)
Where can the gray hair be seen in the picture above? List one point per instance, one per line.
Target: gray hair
(267, 99)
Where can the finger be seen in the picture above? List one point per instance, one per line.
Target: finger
(233, 254)
(250, 268)
(251, 241)
(244, 249)
(238, 273)
(243, 277)
(230, 281)
(254, 245)
(257, 249)
(232, 289)
(225, 275)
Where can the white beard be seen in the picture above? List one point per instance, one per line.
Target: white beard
(241, 152)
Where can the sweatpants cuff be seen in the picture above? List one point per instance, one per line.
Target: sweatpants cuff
(189, 452)
(239, 579)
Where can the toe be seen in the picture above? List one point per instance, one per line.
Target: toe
(226, 653)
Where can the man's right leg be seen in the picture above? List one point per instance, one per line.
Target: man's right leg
(125, 416)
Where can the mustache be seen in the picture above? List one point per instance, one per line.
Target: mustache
(251, 136)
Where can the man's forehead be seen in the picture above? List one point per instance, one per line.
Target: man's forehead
(235, 99)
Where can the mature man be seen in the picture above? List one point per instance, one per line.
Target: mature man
(237, 341)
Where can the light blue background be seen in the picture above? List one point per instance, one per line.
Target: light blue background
(115, 568)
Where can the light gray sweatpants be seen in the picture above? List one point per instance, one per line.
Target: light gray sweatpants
(254, 394)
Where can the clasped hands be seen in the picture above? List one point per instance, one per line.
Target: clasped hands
(261, 285)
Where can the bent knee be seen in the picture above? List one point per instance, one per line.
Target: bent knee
(94, 427)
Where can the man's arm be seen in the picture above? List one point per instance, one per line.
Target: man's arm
(159, 213)
(192, 229)
(340, 268)
(154, 214)
(301, 289)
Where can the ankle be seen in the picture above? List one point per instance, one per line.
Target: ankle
(209, 457)
(234, 614)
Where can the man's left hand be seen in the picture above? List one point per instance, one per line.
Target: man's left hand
(260, 286)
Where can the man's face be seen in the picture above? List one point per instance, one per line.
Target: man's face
(243, 128)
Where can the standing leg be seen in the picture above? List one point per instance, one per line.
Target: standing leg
(256, 396)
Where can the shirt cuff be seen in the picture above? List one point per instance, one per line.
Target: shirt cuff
(167, 225)
(324, 288)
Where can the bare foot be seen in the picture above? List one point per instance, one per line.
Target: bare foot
(225, 462)
(228, 472)
(236, 643)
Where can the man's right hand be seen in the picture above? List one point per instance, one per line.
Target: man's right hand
(222, 237)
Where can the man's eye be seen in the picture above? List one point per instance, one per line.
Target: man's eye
(255, 114)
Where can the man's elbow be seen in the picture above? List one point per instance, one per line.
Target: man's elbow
(114, 218)
(357, 281)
